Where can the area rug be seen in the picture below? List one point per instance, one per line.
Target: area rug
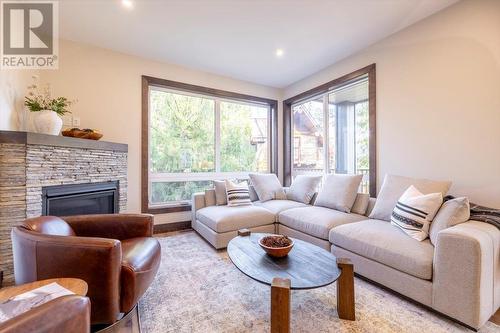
(198, 289)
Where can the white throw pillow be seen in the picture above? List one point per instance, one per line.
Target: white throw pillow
(394, 186)
(451, 213)
(267, 186)
(303, 188)
(237, 194)
(415, 211)
(339, 192)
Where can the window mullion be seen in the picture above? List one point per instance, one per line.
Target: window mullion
(217, 135)
(326, 136)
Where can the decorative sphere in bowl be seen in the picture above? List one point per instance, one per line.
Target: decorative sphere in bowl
(276, 246)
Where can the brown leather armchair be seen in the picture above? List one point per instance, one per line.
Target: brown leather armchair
(115, 254)
(64, 314)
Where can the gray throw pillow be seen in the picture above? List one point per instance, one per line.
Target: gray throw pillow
(303, 188)
(339, 192)
(267, 186)
(220, 192)
(394, 187)
(360, 203)
(451, 213)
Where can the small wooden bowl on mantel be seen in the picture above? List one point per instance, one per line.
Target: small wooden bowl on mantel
(276, 246)
(82, 133)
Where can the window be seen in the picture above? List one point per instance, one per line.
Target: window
(331, 129)
(198, 135)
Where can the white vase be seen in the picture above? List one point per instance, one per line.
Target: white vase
(47, 122)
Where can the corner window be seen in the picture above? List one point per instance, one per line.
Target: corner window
(331, 129)
(197, 137)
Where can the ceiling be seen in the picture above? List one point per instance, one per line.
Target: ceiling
(239, 38)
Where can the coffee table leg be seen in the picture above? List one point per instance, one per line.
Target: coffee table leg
(345, 290)
(280, 306)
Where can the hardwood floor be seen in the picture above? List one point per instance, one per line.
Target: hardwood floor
(496, 318)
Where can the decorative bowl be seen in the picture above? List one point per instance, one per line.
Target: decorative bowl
(82, 134)
(274, 245)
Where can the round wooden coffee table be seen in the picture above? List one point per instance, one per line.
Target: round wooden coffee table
(307, 266)
(77, 286)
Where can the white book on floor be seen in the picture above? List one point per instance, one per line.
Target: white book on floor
(21, 303)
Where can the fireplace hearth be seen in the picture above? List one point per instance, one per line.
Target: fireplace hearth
(78, 199)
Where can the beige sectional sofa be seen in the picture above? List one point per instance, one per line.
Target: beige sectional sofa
(459, 276)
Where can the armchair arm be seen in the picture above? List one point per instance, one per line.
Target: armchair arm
(94, 260)
(114, 226)
(67, 314)
(466, 281)
(198, 202)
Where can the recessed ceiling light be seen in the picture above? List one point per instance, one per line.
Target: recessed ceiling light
(279, 53)
(128, 4)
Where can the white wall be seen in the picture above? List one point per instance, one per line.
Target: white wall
(438, 99)
(107, 85)
(13, 87)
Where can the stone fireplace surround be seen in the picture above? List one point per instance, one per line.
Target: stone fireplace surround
(30, 161)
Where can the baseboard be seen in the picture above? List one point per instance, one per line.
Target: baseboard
(168, 227)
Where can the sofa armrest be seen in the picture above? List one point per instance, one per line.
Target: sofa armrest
(66, 314)
(114, 226)
(466, 281)
(198, 202)
(94, 260)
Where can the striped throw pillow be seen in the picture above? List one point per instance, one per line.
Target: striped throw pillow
(237, 194)
(415, 211)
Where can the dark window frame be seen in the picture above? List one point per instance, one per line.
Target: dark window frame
(369, 70)
(148, 81)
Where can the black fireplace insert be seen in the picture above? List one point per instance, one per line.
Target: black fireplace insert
(80, 199)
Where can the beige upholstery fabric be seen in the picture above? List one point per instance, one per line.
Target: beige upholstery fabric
(451, 213)
(210, 197)
(284, 230)
(225, 218)
(220, 192)
(371, 204)
(360, 204)
(394, 186)
(277, 206)
(303, 188)
(338, 192)
(220, 240)
(418, 289)
(267, 186)
(467, 272)
(197, 202)
(380, 241)
(316, 221)
(253, 194)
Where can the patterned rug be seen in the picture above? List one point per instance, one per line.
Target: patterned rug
(198, 289)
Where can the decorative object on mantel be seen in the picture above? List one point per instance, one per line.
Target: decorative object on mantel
(47, 110)
(85, 133)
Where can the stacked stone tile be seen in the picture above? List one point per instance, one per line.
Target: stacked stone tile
(26, 168)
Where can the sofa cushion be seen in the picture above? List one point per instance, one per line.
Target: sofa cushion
(338, 192)
(267, 186)
(277, 206)
(303, 188)
(316, 221)
(452, 212)
(393, 188)
(225, 218)
(380, 241)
